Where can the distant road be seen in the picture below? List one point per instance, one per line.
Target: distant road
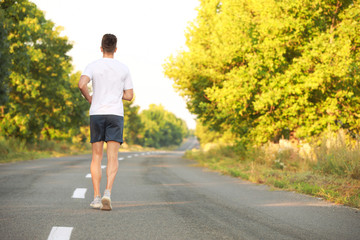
(189, 144)
(158, 195)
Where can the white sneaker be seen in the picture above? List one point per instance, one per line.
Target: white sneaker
(96, 203)
(106, 201)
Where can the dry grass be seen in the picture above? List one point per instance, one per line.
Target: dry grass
(330, 170)
(13, 150)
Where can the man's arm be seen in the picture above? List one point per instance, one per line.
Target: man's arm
(128, 94)
(84, 80)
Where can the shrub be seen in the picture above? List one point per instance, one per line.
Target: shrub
(339, 155)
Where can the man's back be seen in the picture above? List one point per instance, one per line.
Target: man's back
(109, 79)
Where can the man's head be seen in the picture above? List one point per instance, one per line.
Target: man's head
(108, 43)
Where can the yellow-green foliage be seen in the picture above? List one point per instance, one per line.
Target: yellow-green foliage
(209, 137)
(266, 68)
(42, 98)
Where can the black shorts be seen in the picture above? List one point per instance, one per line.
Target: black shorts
(106, 128)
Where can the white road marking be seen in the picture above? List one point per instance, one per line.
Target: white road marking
(136, 155)
(88, 175)
(103, 166)
(143, 154)
(60, 233)
(121, 158)
(129, 156)
(79, 193)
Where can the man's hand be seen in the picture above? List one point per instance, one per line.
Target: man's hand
(128, 94)
(84, 80)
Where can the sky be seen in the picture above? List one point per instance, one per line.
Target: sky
(148, 33)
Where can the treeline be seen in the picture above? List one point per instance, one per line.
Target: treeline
(258, 70)
(39, 97)
(153, 127)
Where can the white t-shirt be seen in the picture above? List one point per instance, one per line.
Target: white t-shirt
(109, 79)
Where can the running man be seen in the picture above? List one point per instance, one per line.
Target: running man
(111, 82)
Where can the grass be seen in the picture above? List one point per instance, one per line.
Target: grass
(333, 173)
(14, 150)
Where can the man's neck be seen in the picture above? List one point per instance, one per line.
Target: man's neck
(108, 55)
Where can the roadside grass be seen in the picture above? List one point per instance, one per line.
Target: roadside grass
(334, 176)
(14, 150)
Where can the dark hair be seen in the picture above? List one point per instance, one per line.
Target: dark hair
(108, 42)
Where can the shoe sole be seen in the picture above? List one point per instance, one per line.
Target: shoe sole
(96, 206)
(106, 204)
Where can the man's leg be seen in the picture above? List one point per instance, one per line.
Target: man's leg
(112, 165)
(95, 167)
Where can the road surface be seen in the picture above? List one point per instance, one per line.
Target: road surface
(158, 195)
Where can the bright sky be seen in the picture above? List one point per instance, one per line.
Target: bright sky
(147, 31)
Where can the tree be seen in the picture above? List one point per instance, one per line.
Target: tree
(268, 68)
(206, 135)
(43, 98)
(162, 128)
(4, 59)
(133, 126)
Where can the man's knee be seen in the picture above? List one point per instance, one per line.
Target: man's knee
(97, 148)
(97, 154)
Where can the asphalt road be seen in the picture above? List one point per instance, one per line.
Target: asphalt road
(158, 195)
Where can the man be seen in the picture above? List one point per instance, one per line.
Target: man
(111, 83)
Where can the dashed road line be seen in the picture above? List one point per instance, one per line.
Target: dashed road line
(79, 193)
(103, 166)
(60, 233)
(129, 156)
(121, 158)
(88, 175)
(136, 155)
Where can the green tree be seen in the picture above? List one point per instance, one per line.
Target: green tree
(266, 68)
(43, 98)
(206, 135)
(133, 127)
(162, 128)
(4, 59)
